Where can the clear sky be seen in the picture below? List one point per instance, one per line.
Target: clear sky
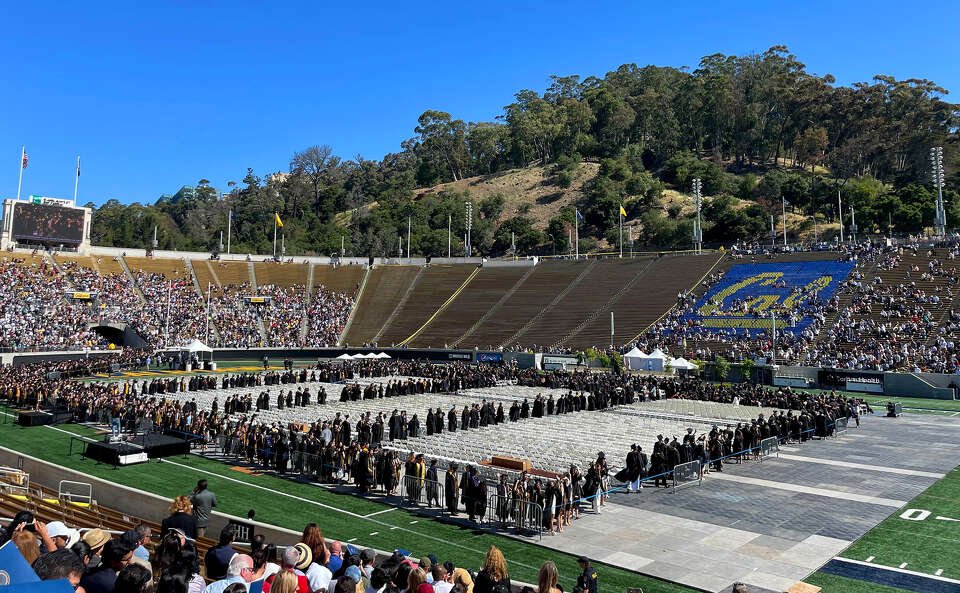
(155, 95)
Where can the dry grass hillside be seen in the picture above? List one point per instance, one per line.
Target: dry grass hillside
(534, 186)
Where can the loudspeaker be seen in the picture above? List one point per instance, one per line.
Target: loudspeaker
(34, 418)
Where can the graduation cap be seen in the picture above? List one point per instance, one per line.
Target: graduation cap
(14, 569)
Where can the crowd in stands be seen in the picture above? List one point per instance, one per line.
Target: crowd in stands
(92, 560)
(235, 322)
(34, 312)
(328, 314)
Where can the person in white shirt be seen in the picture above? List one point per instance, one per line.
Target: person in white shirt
(442, 582)
(318, 577)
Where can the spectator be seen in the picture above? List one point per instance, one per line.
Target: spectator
(367, 558)
(190, 560)
(116, 555)
(167, 552)
(59, 564)
(284, 582)
(379, 579)
(416, 578)
(739, 588)
(218, 558)
(181, 517)
(24, 518)
(136, 538)
(336, 557)
(176, 579)
(262, 557)
(587, 581)
(82, 551)
(28, 545)
(493, 577)
(203, 502)
(313, 537)
(442, 581)
(425, 565)
(547, 578)
(318, 577)
(459, 576)
(240, 572)
(292, 557)
(96, 539)
(62, 536)
(134, 578)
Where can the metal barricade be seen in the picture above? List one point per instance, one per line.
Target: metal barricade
(16, 482)
(841, 427)
(75, 492)
(686, 474)
(519, 515)
(769, 446)
(422, 491)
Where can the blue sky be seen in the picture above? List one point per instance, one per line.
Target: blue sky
(157, 97)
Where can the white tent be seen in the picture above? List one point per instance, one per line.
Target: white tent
(345, 356)
(382, 355)
(655, 362)
(683, 364)
(196, 345)
(368, 355)
(633, 360)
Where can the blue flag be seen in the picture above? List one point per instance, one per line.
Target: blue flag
(14, 568)
(57, 586)
(579, 216)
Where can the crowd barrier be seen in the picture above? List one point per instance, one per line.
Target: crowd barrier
(686, 474)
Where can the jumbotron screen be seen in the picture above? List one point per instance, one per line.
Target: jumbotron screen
(42, 222)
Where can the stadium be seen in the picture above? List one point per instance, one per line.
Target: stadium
(444, 406)
(577, 304)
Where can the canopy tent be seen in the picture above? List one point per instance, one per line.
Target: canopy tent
(655, 362)
(368, 355)
(382, 355)
(633, 360)
(196, 345)
(344, 356)
(198, 348)
(683, 364)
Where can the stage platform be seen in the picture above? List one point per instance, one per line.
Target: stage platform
(773, 523)
(137, 449)
(43, 417)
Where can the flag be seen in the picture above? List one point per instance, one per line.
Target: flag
(623, 212)
(16, 570)
(78, 166)
(279, 222)
(23, 164)
(579, 216)
(233, 215)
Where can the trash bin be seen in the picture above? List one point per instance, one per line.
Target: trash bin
(188, 367)
(211, 366)
(894, 409)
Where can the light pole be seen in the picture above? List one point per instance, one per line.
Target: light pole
(697, 230)
(469, 248)
(936, 173)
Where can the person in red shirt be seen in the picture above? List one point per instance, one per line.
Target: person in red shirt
(293, 557)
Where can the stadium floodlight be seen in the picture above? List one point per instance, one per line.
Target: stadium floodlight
(936, 174)
(697, 229)
(467, 248)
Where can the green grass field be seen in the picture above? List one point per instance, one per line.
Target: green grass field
(920, 534)
(341, 516)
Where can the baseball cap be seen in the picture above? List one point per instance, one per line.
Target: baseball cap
(58, 529)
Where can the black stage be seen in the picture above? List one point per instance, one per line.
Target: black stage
(42, 418)
(155, 446)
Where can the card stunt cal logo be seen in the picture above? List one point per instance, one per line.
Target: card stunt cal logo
(748, 294)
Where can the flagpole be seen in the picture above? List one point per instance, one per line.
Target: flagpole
(229, 217)
(207, 335)
(621, 235)
(275, 216)
(23, 153)
(783, 206)
(76, 181)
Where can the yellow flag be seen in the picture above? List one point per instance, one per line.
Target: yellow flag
(623, 212)
(279, 222)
